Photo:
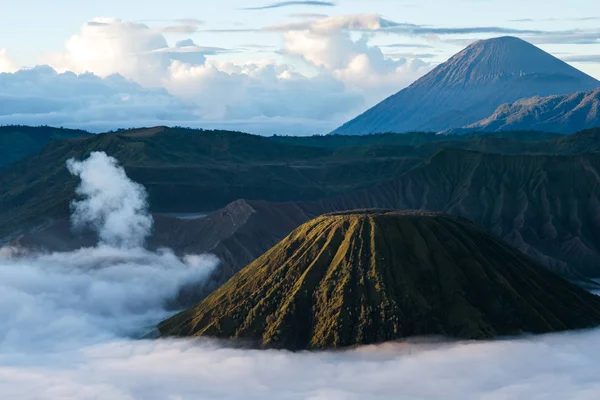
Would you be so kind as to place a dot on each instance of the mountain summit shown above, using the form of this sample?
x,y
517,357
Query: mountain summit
x,y
470,86
371,276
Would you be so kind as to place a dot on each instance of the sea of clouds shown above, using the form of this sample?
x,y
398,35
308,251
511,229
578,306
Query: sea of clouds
x,y
70,328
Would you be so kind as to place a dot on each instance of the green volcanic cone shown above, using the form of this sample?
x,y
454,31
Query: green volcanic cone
x,y
371,276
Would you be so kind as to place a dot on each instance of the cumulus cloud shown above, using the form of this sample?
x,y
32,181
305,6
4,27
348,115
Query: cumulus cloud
x,y
140,79
114,205
116,73
40,96
105,46
327,44
237,92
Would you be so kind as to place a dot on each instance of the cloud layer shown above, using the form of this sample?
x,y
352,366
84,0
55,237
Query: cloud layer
x,y
551,367
62,301
125,73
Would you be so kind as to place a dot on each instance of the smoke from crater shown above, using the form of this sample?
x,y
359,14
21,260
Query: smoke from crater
x,y
111,203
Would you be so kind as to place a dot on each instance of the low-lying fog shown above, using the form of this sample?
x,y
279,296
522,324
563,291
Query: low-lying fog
x,y
69,323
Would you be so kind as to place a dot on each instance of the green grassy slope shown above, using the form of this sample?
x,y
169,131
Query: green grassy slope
x,y
372,276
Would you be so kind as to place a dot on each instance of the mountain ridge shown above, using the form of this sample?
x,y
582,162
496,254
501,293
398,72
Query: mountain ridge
x,y
480,78
514,189
565,114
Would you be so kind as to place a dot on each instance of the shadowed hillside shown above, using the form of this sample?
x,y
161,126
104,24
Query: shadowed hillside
x,y
565,114
544,205
186,170
190,170
372,276
17,142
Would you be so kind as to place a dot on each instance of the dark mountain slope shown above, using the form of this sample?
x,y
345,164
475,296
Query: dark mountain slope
x,y
408,139
190,170
17,142
565,114
470,86
524,200
373,276
546,206
187,170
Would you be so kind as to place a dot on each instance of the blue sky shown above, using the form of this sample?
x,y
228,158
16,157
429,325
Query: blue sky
x,y
27,35
311,65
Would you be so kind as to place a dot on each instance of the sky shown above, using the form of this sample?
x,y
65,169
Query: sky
x,y
262,66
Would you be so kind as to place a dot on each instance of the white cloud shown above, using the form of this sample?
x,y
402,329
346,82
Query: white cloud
x,y
42,96
327,44
6,64
105,46
190,88
236,92
550,367
63,301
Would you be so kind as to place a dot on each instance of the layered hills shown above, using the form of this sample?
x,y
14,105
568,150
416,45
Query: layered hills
x,y
540,196
364,277
470,86
567,113
186,170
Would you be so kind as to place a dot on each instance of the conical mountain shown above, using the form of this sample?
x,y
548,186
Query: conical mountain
x,y
470,86
372,276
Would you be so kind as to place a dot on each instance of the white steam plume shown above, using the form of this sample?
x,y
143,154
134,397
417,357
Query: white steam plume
x,y
115,206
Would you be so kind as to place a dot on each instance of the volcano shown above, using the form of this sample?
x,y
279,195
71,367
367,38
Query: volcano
x,y
470,86
372,276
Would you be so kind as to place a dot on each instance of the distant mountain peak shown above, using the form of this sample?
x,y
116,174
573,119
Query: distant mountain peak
x,y
498,59
470,86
